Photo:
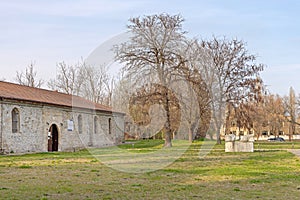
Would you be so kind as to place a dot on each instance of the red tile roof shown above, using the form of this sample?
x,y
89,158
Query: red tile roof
x,y
30,94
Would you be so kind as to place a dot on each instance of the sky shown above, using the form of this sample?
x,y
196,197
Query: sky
x,y
46,32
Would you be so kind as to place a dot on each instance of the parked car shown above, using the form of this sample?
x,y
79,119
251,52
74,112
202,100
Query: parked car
x,y
279,139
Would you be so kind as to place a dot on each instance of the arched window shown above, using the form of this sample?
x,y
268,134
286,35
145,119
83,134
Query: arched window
x,y
15,116
79,124
95,124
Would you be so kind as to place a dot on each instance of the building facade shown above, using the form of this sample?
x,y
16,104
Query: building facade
x,y
283,129
37,120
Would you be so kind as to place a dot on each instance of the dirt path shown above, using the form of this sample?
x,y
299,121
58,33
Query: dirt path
x,y
295,151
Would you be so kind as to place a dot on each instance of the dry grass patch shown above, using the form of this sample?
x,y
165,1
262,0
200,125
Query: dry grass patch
x,y
219,175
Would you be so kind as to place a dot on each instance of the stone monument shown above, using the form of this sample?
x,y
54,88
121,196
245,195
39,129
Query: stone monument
x,y
245,144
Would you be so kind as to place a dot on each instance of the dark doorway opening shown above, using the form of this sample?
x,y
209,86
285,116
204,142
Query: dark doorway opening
x,y
53,138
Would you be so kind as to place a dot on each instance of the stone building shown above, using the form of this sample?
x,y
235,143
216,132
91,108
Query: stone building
x,y
38,120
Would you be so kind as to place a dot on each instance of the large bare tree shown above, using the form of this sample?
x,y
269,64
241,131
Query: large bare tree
x,y
29,77
235,76
195,101
153,55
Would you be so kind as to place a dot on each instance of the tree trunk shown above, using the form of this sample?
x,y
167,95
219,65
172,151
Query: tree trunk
x,y
168,139
291,131
218,138
190,135
258,134
219,135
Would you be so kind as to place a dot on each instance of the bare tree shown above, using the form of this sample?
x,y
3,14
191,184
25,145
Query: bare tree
x,y
144,99
195,101
121,94
275,108
250,114
92,83
110,85
67,79
235,76
152,55
29,78
291,112
97,85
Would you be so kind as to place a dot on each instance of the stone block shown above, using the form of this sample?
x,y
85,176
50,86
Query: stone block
x,y
239,146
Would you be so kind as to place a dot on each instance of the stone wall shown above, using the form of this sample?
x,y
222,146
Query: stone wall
x,y
29,137
36,120
1,131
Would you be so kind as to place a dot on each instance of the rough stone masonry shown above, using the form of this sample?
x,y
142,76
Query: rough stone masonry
x,y
36,120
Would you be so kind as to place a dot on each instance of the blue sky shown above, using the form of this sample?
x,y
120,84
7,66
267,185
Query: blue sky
x,y
50,31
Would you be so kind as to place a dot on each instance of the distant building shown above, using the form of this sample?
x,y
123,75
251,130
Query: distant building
x,y
38,120
283,129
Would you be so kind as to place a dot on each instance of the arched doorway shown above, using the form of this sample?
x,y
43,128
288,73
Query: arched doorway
x,y
53,138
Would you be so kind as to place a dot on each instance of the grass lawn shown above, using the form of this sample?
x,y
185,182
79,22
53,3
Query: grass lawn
x,y
270,173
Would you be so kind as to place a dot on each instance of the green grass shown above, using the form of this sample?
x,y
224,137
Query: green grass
x,y
276,145
270,174
142,146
